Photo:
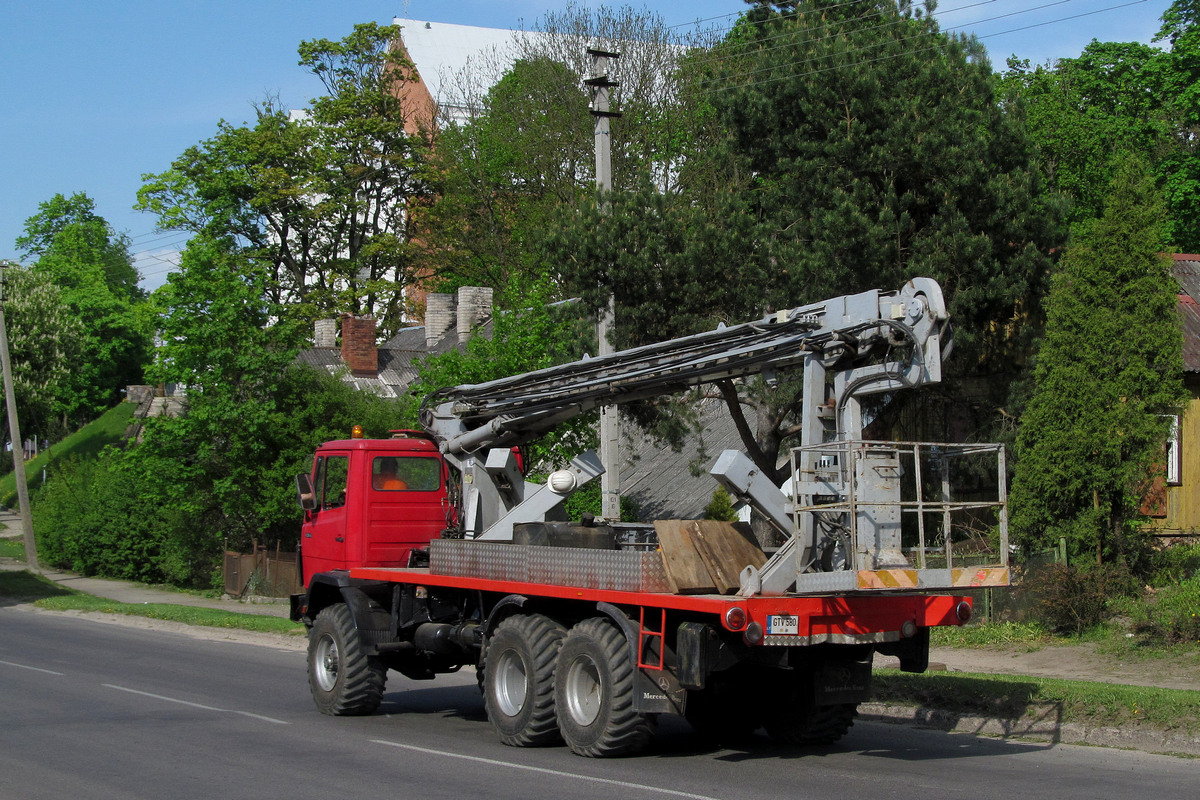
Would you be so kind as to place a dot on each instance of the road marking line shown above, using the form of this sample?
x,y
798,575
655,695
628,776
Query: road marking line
x,y
35,669
544,771
193,705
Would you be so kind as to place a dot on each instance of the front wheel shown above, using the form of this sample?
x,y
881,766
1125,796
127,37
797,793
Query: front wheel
x,y
594,692
345,681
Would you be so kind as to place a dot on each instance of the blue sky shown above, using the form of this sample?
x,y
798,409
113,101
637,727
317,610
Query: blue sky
x,y
96,93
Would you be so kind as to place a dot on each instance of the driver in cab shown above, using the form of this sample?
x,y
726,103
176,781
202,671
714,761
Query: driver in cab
x,y
384,477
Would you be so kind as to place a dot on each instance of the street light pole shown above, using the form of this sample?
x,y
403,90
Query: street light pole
x,y
610,430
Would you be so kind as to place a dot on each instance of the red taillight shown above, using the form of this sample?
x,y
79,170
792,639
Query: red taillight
x,y
963,610
735,618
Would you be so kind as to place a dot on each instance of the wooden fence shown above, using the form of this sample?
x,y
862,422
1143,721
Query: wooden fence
x,y
262,573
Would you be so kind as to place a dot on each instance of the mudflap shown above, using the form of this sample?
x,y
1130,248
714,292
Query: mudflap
x,y
913,652
838,681
659,692
298,605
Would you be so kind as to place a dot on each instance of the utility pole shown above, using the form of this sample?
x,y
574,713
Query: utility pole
x,y
610,430
18,444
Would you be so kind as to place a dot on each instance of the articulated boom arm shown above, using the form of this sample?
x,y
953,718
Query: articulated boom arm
x,y
845,334
848,346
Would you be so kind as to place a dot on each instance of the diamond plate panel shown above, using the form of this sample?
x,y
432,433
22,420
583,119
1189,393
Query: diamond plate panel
x,y
618,570
836,638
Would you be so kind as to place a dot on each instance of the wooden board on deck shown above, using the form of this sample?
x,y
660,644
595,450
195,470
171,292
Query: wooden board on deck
x,y
706,556
686,571
726,549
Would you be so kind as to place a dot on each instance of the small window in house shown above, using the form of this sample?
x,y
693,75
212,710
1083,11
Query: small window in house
x,y
1174,453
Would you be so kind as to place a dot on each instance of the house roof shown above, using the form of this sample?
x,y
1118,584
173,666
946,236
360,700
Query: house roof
x,y
1187,272
669,485
398,359
458,63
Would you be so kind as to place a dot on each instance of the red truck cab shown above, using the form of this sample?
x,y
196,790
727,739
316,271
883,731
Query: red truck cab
x,y
371,503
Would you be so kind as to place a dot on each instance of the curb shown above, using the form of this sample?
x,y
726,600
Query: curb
x,y
1034,728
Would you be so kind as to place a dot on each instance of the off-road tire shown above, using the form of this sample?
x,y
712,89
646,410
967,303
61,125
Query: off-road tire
x,y
813,726
518,680
594,687
729,709
345,681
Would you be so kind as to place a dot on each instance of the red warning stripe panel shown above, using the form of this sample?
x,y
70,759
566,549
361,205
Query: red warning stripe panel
x,y
979,576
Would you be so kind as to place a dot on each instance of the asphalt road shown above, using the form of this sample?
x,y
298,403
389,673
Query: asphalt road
x,y
100,711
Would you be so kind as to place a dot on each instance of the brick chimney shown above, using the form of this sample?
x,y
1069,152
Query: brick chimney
x,y
439,317
359,353
474,306
325,333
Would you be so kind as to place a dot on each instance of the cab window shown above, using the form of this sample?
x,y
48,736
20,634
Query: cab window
x,y
332,475
406,474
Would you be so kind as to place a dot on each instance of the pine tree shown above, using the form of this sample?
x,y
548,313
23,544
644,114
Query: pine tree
x,y
1108,370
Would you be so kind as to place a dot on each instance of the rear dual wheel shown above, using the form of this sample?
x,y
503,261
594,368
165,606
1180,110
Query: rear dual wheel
x,y
542,685
793,725
730,708
794,718
518,680
595,681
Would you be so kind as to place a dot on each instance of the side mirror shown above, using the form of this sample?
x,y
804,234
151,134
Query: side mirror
x,y
304,489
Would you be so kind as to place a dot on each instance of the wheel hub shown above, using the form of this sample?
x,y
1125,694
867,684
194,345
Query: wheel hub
x,y
512,684
326,663
583,690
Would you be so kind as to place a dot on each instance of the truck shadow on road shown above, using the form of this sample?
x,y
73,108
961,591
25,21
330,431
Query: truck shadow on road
x,y
464,702
675,738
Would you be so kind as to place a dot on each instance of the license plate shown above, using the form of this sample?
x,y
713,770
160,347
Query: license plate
x,y
783,625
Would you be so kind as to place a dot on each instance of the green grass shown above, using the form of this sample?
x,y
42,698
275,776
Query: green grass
x,y
991,634
84,443
13,548
1045,699
26,587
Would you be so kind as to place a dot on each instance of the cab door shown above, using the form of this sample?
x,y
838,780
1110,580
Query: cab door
x,y
323,539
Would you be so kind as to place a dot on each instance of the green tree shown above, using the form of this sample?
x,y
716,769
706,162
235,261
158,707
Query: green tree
x,y
720,507
231,350
72,224
529,332
854,146
45,343
525,147
1179,169
1109,367
323,200
1086,114
503,173
879,152
91,265
220,473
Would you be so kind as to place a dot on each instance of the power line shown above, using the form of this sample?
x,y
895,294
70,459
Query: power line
x,y
739,14
873,28
789,35
808,73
